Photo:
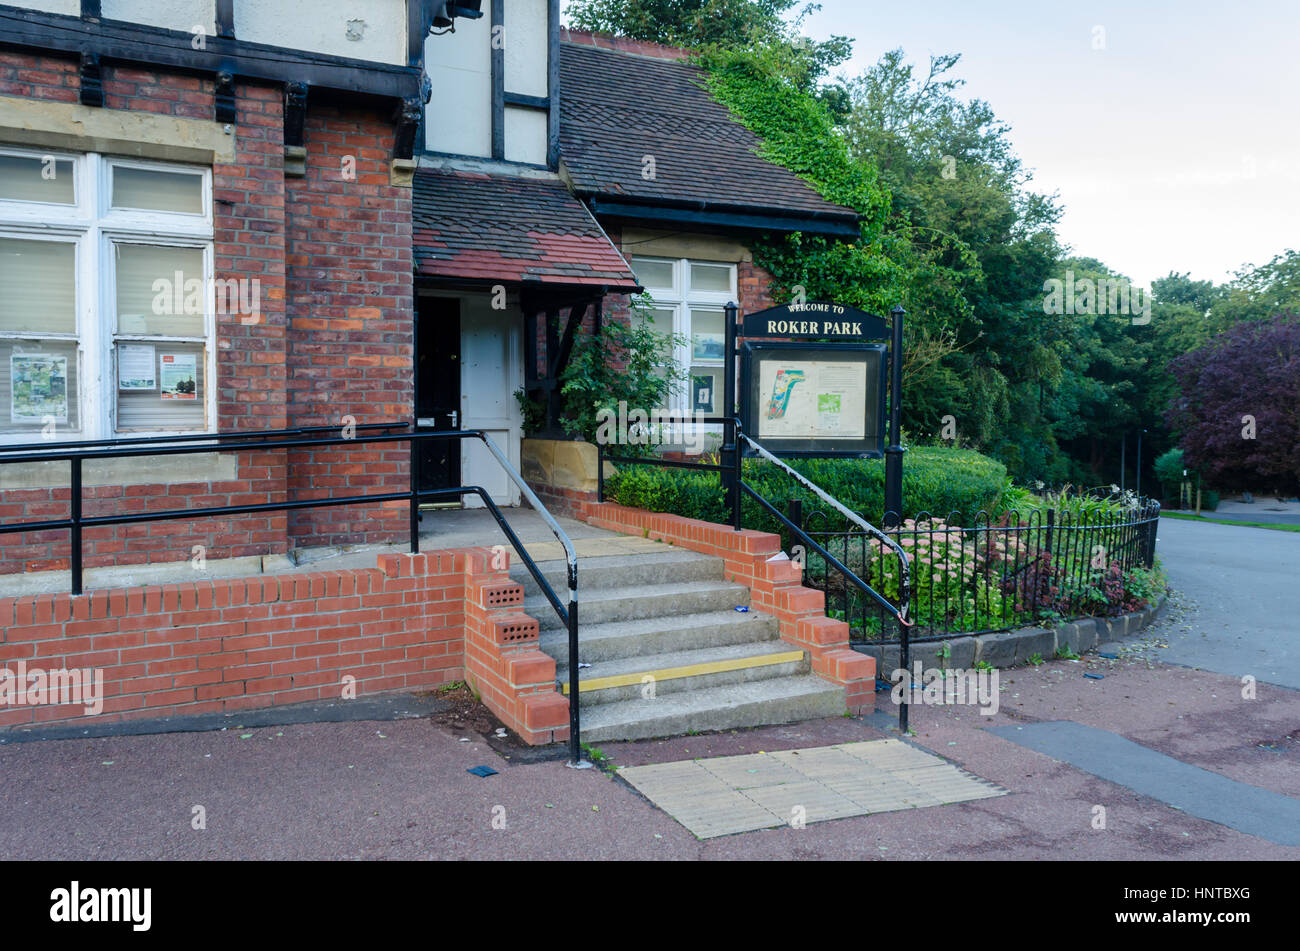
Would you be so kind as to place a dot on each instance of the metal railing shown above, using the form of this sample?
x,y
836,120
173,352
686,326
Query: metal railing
x,y
76,453
734,485
980,575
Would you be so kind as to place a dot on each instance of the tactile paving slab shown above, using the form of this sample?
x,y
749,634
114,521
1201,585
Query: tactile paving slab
x,y
730,794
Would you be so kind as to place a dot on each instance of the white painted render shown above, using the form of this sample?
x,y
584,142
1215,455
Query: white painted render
x,y
458,118
185,15
70,8
525,47
374,30
525,135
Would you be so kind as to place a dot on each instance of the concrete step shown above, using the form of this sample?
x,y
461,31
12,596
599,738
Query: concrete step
x,y
621,571
599,642
782,700
603,605
612,681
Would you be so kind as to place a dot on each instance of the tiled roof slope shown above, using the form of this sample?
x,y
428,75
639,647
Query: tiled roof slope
x,y
470,226
616,107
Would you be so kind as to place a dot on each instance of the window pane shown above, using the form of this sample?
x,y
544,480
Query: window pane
x,y
708,335
711,277
656,274
38,385
36,179
165,386
160,290
658,319
157,191
38,286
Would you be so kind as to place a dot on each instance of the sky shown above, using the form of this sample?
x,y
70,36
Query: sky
x,y
1174,146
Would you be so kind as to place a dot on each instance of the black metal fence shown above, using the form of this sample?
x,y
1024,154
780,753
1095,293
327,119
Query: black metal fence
x,y
972,576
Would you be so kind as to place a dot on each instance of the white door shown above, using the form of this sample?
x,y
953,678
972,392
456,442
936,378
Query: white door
x,y
490,372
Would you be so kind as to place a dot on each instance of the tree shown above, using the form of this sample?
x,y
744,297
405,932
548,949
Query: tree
x,y
727,24
1237,411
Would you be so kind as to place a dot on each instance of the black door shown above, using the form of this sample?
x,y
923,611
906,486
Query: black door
x,y
437,389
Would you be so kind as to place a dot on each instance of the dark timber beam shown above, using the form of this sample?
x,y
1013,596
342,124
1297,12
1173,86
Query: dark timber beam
x,y
225,97
498,80
116,41
553,84
92,80
226,18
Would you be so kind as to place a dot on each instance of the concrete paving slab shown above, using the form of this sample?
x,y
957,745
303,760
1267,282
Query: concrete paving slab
x,y
812,801
813,785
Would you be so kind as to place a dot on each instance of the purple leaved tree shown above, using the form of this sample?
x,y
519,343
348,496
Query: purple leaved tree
x,y
1237,411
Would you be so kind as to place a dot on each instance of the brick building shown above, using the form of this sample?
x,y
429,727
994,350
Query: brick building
x,y
233,216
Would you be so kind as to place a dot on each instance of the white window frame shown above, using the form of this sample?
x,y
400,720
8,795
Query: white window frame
x,y
681,299
93,226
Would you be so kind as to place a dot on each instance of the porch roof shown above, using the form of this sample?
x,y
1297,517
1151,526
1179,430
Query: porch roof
x,y
472,227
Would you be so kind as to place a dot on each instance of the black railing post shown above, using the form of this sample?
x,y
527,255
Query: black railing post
x,y
415,494
894,451
731,432
575,698
74,500
736,456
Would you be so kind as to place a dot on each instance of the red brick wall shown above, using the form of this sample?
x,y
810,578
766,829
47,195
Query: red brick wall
x,y
412,623
212,646
351,322
333,337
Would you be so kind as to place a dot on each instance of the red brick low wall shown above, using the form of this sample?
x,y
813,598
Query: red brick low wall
x,y
775,588
411,623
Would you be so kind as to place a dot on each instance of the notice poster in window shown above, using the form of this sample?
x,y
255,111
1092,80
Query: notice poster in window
x,y
702,394
136,367
38,388
178,379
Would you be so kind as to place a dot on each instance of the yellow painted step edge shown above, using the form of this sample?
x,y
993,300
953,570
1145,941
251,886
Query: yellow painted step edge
x,y
690,670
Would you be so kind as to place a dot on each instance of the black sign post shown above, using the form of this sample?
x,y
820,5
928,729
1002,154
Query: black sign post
x,y
894,454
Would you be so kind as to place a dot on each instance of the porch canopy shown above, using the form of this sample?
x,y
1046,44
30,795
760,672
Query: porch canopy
x,y
530,235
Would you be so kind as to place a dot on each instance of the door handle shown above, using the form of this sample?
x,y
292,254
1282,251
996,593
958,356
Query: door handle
x,y
455,419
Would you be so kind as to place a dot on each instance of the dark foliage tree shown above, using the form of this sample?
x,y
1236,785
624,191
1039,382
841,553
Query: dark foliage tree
x,y
1237,411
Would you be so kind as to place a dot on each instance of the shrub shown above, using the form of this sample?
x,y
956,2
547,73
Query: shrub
x,y
936,480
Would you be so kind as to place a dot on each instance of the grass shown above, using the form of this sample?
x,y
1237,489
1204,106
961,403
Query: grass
x,y
599,758
1225,521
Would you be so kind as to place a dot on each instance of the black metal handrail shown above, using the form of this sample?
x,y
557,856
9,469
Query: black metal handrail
x,y
732,476
305,437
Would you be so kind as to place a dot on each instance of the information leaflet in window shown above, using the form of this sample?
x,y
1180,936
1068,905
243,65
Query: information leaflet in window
x,y
178,377
136,367
38,388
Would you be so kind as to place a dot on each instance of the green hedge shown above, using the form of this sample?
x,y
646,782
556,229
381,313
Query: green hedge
x,y
935,479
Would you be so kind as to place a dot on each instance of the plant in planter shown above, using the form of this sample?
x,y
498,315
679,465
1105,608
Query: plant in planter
x,y
630,363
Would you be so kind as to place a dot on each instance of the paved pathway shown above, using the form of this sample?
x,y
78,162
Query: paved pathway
x,y
1244,586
